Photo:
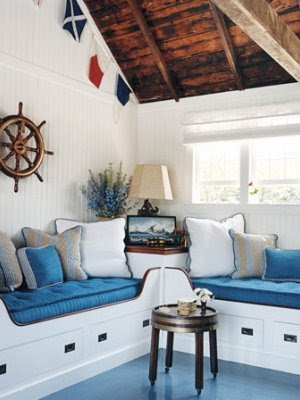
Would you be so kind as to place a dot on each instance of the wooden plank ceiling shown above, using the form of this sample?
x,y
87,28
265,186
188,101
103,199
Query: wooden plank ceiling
x,y
200,49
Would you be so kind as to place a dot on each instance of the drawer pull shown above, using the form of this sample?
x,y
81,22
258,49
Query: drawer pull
x,y
247,331
69,347
146,322
102,337
2,369
290,338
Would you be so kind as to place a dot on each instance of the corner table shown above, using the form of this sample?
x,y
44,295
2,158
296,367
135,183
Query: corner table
x,y
197,322
140,258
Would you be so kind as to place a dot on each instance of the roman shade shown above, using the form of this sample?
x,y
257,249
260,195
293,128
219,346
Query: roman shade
x,y
241,123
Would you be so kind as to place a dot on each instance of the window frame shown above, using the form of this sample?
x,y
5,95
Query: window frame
x,y
247,166
196,184
266,181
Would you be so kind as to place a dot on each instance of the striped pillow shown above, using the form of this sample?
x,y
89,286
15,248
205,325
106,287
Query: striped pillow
x,y
67,245
249,253
10,271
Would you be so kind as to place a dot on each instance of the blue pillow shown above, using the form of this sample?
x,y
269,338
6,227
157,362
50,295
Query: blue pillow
x,y
282,265
41,266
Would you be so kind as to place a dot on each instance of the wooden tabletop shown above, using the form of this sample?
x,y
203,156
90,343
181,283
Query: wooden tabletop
x,y
155,250
166,317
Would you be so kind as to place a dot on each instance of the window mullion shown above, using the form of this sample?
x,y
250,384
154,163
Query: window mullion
x,y
244,171
195,179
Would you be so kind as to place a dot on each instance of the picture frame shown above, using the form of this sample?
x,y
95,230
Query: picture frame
x,y
142,228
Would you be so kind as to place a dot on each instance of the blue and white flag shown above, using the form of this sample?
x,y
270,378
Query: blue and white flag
x,y
122,97
123,91
75,20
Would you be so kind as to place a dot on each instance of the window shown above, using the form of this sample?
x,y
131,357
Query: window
x,y
258,171
217,172
275,170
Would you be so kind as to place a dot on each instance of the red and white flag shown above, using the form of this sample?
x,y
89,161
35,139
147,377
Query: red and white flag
x,y
98,64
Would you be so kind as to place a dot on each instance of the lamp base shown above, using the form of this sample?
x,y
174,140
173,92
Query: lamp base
x,y
147,210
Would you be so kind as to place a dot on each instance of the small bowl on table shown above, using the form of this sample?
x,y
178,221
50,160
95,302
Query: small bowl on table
x,y
186,306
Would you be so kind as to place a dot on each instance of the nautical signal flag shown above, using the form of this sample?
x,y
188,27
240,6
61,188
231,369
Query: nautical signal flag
x,y
98,64
123,91
75,20
122,97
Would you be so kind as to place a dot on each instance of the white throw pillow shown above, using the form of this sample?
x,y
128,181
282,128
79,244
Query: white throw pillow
x,y
102,247
210,251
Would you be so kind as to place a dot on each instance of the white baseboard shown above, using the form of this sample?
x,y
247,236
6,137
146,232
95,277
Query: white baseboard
x,y
254,357
58,381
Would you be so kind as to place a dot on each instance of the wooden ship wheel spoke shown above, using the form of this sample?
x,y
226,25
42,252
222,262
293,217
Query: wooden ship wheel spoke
x,y
21,129
9,155
17,167
33,149
9,134
25,140
9,145
25,153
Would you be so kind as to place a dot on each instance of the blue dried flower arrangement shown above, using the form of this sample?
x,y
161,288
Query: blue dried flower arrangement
x,y
107,192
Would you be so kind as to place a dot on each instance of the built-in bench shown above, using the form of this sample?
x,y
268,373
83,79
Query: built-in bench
x,y
53,337
57,336
259,321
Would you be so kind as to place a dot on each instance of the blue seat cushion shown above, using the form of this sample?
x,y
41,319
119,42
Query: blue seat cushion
x,y
252,290
27,306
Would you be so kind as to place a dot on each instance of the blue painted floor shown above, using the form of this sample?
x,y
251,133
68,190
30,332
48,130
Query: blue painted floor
x,y
234,382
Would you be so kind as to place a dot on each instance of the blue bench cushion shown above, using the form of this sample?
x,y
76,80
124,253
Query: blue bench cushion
x,y
27,306
252,290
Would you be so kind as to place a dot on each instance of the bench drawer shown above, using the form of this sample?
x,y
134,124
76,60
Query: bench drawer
x,y
241,331
103,337
30,360
286,338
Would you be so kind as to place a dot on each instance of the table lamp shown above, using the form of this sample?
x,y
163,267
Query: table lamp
x,y
150,182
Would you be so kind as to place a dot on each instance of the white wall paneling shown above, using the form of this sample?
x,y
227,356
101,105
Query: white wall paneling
x,y
42,66
161,129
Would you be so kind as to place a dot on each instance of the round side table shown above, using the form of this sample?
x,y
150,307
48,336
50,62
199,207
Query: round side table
x,y
197,322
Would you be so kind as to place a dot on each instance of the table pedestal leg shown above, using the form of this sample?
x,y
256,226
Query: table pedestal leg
x,y
213,352
169,353
199,362
153,355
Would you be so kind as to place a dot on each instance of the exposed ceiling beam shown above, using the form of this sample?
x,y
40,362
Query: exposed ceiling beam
x,y
258,19
227,44
161,63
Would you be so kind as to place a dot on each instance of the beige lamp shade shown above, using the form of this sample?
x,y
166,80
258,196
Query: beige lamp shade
x,y
151,182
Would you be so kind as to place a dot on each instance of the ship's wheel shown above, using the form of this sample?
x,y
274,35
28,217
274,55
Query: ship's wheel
x,y
22,147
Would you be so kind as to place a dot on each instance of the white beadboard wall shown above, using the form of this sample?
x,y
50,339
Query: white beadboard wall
x,y
160,141
42,66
